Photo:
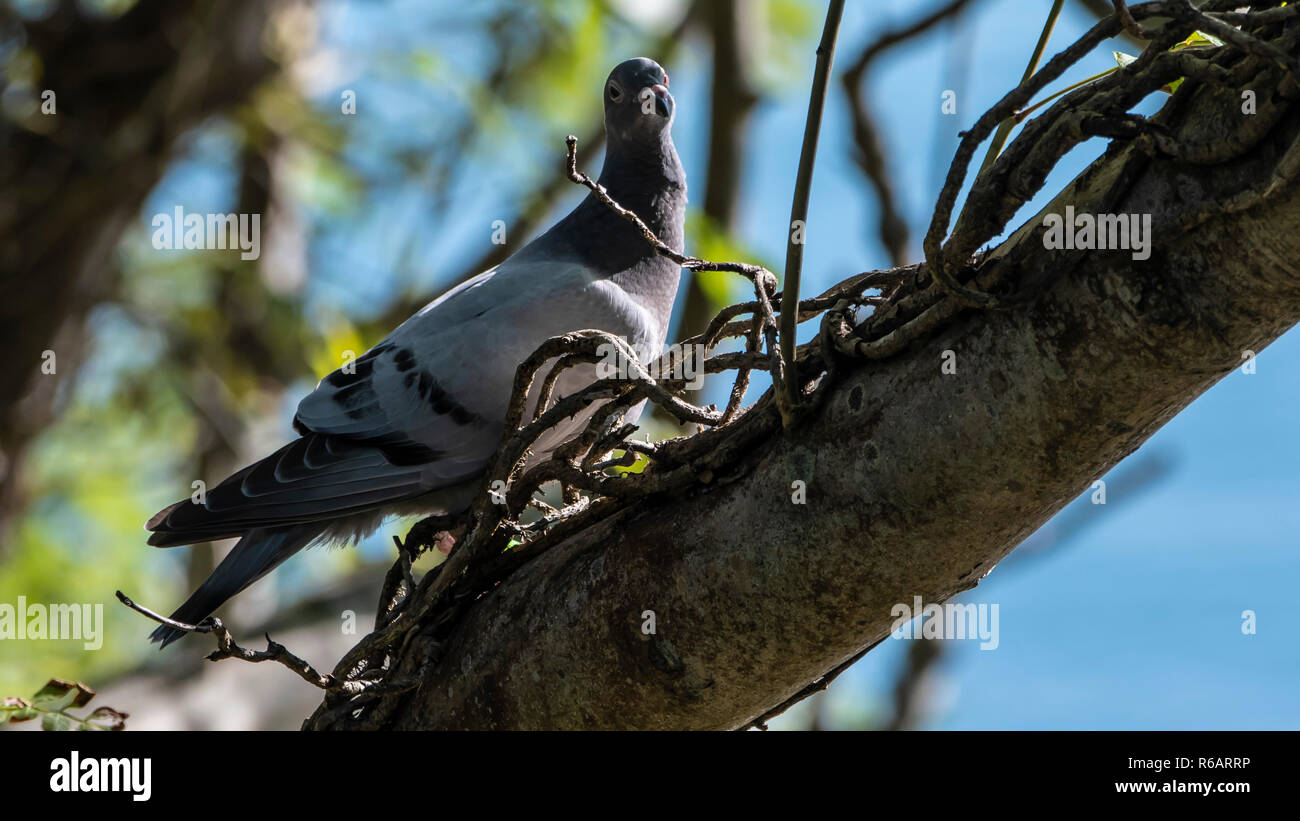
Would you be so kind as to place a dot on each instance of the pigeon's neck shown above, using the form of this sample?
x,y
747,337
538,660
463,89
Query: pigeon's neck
x,y
652,184
648,181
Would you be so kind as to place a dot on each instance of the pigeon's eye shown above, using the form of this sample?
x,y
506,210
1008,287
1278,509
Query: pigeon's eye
x,y
615,94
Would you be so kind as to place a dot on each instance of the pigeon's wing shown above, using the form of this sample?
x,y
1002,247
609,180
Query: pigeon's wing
x,y
422,410
435,391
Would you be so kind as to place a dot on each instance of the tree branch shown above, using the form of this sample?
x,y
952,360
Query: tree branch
x,y
755,596
802,192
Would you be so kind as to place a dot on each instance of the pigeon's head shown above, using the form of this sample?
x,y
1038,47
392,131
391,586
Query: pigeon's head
x,y
637,103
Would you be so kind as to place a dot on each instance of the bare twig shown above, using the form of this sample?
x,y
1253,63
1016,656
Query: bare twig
x,y
1119,90
796,230
763,279
227,648
754,273
1004,128
1131,26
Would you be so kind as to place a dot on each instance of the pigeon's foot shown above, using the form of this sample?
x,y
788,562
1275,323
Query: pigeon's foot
x,y
444,541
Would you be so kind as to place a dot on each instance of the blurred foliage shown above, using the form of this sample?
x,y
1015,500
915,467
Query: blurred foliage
x,y
710,241
195,364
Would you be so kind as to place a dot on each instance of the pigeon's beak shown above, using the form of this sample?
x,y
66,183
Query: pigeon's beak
x,y
663,100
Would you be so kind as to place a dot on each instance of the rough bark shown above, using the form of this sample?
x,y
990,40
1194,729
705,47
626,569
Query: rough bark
x,y
918,482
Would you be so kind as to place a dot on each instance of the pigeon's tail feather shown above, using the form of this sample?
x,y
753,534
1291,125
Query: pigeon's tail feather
x,y
310,479
259,552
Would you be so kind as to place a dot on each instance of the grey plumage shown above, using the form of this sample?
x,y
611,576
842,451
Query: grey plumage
x,y
410,429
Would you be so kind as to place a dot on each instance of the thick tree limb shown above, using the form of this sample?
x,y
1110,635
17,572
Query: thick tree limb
x,y
918,482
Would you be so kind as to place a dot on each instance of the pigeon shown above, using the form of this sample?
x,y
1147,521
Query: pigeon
x,y
409,427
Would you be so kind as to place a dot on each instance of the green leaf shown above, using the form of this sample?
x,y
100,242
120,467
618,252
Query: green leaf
x,y
55,722
54,702
1198,38
14,710
58,695
106,718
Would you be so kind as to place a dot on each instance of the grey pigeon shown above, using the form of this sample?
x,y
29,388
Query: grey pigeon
x,y
411,427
